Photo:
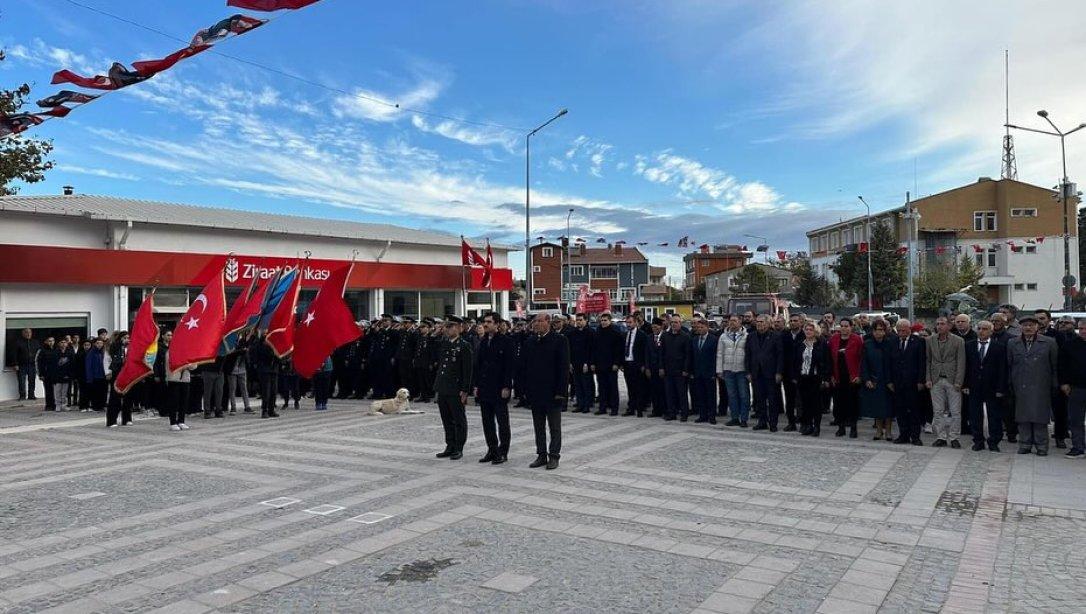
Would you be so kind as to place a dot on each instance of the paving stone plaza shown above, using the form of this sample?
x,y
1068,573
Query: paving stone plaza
x,y
340,511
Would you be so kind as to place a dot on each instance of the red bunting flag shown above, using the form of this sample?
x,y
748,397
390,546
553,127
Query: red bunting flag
x,y
270,5
488,269
281,321
325,326
1040,239
470,257
142,348
901,251
977,248
782,255
863,247
199,332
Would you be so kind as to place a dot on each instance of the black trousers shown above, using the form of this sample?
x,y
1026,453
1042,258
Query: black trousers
x,y
120,405
767,399
269,384
322,387
608,385
51,402
636,387
992,406
1059,416
1010,427
547,417
908,411
496,425
75,392
809,402
703,393
177,400
846,403
657,394
96,394
791,394
678,403
455,421
424,380
406,374
721,397
583,388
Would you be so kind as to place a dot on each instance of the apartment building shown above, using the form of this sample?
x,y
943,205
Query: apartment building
x,y
710,259
617,269
1013,230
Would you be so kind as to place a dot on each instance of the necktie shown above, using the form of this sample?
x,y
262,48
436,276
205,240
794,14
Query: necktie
x,y
902,345
983,349
701,343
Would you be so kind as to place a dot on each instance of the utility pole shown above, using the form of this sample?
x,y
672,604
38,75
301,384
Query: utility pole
x,y
910,220
870,277
528,209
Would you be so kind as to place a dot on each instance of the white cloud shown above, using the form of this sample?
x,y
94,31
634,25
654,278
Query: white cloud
x,y
472,135
96,172
588,152
40,54
364,104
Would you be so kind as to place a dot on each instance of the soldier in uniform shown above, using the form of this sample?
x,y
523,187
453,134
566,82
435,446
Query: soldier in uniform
x,y
520,367
405,356
452,383
380,359
422,362
493,386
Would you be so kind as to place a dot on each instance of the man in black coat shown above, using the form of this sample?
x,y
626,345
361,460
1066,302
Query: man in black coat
x,y
790,338
24,360
654,369
546,357
633,367
606,361
675,362
493,386
422,362
985,386
581,338
405,356
520,371
452,383
765,368
45,364
909,366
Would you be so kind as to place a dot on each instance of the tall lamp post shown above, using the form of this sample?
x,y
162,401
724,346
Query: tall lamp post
x,y
1067,192
528,208
765,242
569,279
870,278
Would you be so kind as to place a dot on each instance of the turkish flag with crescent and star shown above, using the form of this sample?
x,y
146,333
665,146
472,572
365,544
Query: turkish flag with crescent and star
x,y
197,336
280,322
325,326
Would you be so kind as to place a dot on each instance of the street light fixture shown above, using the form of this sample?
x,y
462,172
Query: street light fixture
x,y
569,280
870,278
1067,190
528,207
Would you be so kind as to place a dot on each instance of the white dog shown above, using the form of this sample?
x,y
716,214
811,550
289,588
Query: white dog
x,y
399,404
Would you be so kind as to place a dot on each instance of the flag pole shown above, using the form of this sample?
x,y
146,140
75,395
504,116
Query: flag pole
x,y
463,284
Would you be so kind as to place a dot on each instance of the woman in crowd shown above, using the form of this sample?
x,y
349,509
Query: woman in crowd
x,y
178,387
846,349
875,366
810,364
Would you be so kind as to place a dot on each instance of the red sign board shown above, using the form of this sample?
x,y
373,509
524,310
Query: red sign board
x,y
589,301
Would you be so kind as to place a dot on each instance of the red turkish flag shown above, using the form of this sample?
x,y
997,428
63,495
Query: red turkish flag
x,y
468,256
489,270
281,323
326,325
197,336
142,348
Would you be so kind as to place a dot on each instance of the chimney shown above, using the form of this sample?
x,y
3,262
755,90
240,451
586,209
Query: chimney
x,y
580,249
704,249
618,249
69,190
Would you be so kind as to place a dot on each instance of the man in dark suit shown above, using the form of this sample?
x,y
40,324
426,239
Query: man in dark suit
x,y
675,361
606,361
703,372
581,339
633,367
452,382
908,357
985,385
765,367
654,369
493,386
790,338
546,355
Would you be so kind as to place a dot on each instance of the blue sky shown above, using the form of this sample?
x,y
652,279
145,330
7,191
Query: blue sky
x,y
708,119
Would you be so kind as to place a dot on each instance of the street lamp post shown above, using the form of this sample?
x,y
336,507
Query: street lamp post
x,y
870,278
1066,193
568,280
765,242
528,208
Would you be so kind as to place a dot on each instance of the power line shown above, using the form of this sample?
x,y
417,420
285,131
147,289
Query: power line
x,y
295,77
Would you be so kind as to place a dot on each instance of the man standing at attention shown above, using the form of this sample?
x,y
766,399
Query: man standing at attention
x,y
790,338
606,360
546,355
1032,359
675,368
765,367
731,366
452,384
703,371
633,354
493,385
946,374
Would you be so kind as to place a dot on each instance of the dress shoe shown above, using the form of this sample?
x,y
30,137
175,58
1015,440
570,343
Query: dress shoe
x,y
552,463
498,460
627,413
272,414
731,423
852,434
957,445
615,413
445,454
1061,444
773,428
790,428
993,447
207,415
877,437
1042,452
700,421
218,414
712,421
683,419
538,462
456,455
489,457
264,414
939,443
759,427
918,442
806,431
901,439
840,431
248,410
977,447
669,418
602,412
1024,450
743,424
816,432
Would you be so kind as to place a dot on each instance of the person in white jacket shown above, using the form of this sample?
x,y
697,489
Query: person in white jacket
x,y
731,353
177,395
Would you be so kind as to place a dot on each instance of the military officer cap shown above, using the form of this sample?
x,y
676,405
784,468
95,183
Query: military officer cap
x,y
454,320
385,316
397,319
409,319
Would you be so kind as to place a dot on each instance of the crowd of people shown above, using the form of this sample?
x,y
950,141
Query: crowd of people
x,y
1009,376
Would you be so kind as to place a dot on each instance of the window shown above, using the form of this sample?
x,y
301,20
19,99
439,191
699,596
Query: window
x,y
1031,286
577,270
548,252
704,263
986,258
847,236
835,240
538,291
537,269
1019,286
1023,212
1031,249
402,303
441,304
604,272
984,221
612,293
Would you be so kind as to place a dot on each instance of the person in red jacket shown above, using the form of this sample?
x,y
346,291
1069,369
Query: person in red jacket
x,y
846,349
